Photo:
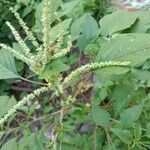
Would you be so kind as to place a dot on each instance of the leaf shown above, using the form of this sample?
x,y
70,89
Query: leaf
x,y
124,135
126,47
7,65
100,116
5,104
146,66
129,116
143,23
85,30
68,7
53,69
91,50
115,22
137,132
121,96
27,11
141,74
55,30
32,142
11,144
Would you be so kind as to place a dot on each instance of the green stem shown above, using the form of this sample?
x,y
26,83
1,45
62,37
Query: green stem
x,y
109,140
35,82
94,139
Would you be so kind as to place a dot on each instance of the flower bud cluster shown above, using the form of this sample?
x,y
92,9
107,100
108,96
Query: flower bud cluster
x,y
17,54
63,52
46,26
19,39
92,66
29,34
70,100
22,102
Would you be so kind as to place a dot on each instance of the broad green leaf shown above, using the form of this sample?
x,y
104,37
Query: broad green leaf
x,y
27,11
124,135
85,29
147,65
100,116
7,65
11,144
129,116
91,50
5,104
32,142
53,69
126,47
143,23
115,22
55,30
121,97
68,7
141,74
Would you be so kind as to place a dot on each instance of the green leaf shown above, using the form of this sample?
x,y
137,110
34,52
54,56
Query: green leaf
x,y
68,7
121,96
5,104
53,69
55,30
11,144
100,116
27,11
7,65
32,142
129,116
126,47
146,66
85,29
141,74
137,132
91,50
124,135
143,23
115,22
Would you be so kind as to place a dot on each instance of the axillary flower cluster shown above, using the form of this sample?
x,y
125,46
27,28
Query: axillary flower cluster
x,y
45,53
22,102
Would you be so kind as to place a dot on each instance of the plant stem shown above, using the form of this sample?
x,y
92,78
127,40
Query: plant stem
x,y
94,139
109,140
30,81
